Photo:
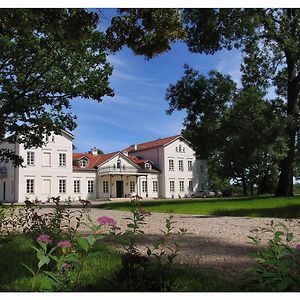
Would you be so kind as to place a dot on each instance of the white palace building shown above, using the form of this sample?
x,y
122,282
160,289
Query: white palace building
x,y
164,168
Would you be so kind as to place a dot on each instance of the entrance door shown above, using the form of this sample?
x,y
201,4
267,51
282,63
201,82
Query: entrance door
x,y
120,189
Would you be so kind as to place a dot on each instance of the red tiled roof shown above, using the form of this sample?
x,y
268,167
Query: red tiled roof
x,y
94,160
152,144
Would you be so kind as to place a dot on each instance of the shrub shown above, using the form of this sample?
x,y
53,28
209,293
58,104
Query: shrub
x,y
278,265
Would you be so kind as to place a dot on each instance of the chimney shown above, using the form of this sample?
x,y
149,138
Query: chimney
x,y
133,147
94,151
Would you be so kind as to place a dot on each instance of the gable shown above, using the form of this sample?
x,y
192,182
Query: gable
x,y
124,161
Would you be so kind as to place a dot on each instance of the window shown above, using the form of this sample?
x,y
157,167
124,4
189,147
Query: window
x,y
90,186
179,148
172,186
62,186
132,187
76,186
190,165
147,166
183,150
144,186
29,186
155,186
171,165
180,165
181,186
53,139
83,163
190,185
62,159
119,164
201,169
176,149
105,186
30,158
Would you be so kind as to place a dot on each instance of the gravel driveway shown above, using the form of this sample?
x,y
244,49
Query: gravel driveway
x,y
218,243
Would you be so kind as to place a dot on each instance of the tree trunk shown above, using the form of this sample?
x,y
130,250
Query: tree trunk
x,y
244,185
285,183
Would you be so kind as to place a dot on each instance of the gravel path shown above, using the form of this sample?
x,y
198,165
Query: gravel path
x,y
218,243
211,243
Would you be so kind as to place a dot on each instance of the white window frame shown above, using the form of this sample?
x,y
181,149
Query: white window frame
x,y
29,186
76,186
62,186
181,186
83,163
155,186
30,158
172,186
105,187
131,187
62,159
180,165
190,165
144,186
90,186
171,164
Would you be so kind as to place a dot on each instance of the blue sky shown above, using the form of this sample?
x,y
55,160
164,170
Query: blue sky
x,y
137,113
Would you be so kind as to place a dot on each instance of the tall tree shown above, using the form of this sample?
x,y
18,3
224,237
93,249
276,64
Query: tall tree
x,y
47,58
271,41
237,130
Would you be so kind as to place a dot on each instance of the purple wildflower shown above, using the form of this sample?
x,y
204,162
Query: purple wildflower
x,y
65,243
44,238
107,221
297,247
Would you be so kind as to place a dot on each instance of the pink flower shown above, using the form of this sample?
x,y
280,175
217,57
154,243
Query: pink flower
x,y
44,238
65,243
297,247
107,221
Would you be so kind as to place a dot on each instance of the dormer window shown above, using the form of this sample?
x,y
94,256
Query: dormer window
x,y
147,166
83,163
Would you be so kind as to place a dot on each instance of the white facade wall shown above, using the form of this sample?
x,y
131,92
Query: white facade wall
x,y
171,152
87,191
10,179
47,173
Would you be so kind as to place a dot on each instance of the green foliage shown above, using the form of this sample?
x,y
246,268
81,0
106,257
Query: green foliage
x,y
28,220
269,39
278,263
146,31
44,65
227,119
140,272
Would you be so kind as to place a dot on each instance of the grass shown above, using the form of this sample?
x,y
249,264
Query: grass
x,y
99,273
285,207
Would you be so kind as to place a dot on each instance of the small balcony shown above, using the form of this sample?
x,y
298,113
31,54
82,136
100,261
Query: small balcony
x,y
115,170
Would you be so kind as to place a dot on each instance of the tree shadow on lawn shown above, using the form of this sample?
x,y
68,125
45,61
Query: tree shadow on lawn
x,y
13,252
289,212
159,202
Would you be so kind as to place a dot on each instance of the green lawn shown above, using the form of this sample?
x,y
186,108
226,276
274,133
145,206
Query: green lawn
x,y
288,207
